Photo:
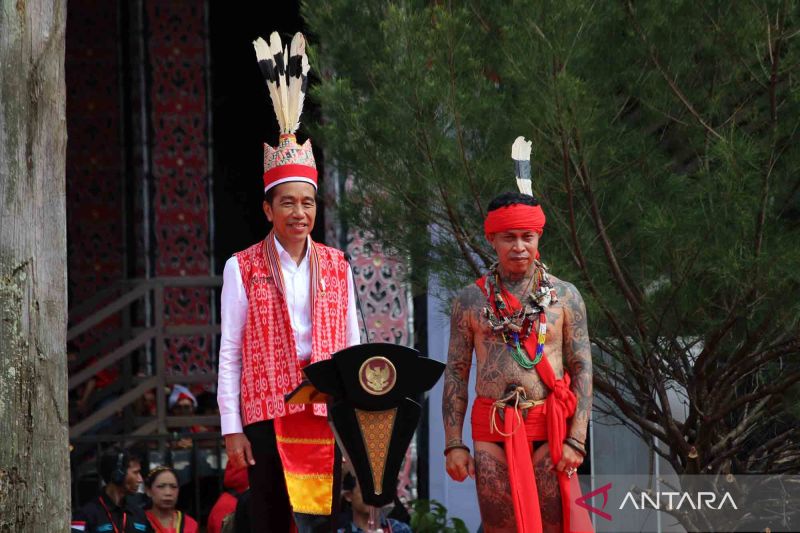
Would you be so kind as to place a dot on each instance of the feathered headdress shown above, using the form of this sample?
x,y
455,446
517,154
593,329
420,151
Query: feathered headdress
x,y
517,216
286,81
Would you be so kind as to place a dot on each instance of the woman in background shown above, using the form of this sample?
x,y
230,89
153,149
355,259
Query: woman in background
x,y
162,488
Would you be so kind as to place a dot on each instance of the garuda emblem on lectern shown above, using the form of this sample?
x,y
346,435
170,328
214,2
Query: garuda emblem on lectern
x,y
377,375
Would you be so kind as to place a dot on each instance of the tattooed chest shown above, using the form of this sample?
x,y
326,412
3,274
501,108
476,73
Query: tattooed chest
x,y
497,370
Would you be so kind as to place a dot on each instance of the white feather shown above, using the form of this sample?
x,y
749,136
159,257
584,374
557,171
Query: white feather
x,y
297,48
276,48
521,149
521,154
263,54
286,92
293,118
262,49
287,109
302,92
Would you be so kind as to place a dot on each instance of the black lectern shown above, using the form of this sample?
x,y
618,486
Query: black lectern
x,y
369,389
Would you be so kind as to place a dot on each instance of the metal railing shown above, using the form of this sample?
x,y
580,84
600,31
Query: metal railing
x,y
148,293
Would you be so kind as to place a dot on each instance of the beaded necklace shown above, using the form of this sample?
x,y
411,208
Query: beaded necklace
x,y
514,328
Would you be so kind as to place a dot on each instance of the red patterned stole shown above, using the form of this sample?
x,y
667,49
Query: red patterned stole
x,y
306,446
305,442
274,264
270,367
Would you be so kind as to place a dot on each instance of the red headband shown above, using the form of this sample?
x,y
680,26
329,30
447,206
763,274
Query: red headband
x,y
292,172
517,216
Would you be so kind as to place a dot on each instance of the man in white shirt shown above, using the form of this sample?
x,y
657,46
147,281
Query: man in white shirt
x,y
286,302
291,207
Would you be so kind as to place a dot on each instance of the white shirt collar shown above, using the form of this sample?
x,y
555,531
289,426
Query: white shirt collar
x,y
284,256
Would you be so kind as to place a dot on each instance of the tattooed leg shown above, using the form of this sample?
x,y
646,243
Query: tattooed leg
x,y
494,489
549,493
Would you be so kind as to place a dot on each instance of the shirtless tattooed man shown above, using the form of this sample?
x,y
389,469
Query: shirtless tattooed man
x,y
534,380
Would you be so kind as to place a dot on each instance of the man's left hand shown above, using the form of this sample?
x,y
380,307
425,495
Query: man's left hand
x,y
569,459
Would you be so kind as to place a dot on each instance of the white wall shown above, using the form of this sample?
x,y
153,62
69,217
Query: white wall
x,y
459,498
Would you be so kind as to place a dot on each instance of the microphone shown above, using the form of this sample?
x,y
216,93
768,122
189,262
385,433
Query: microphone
x,y
348,258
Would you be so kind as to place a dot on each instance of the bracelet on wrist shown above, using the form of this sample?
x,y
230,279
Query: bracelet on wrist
x,y
576,441
459,446
575,445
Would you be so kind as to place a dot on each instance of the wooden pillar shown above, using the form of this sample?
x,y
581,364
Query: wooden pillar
x,y
34,455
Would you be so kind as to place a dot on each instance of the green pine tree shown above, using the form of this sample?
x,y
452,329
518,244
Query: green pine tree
x,y
665,138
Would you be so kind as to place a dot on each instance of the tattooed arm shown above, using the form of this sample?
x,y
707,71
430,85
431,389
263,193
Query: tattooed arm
x,y
459,463
456,376
578,355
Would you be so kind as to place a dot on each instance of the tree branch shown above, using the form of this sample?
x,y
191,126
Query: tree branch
x,y
628,411
672,85
459,136
763,392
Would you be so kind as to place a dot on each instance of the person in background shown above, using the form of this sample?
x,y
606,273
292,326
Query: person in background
x,y
358,523
235,484
182,402
162,488
113,510
239,521
207,404
146,405
92,394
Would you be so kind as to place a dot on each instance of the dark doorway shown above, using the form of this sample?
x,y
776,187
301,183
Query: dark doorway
x,y
243,120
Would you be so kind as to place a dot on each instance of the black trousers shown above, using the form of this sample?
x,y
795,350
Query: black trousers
x,y
270,511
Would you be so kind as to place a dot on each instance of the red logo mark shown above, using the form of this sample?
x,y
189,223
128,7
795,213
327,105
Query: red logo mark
x,y
582,501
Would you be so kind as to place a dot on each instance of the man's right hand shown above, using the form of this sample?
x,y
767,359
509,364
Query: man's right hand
x,y
459,465
238,448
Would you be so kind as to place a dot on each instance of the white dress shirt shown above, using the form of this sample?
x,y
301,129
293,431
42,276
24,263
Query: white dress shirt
x,y
233,311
